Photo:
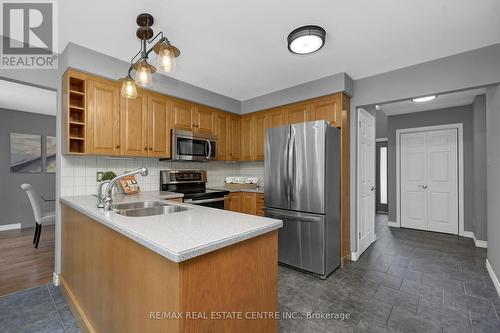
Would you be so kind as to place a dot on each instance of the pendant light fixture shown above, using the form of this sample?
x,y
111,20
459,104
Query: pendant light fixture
x,y
143,70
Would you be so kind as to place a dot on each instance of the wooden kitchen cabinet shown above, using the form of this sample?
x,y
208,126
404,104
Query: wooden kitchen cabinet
x,y
103,118
327,108
159,118
246,202
247,142
234,138
260,120
234,203
276,117
134,125
204,120
183,115
297,113
222,132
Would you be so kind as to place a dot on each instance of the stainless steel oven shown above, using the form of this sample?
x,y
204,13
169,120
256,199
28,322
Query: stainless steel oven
x,y
189,146
192,183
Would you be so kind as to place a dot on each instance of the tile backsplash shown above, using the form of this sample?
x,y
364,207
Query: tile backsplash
x,y
78,174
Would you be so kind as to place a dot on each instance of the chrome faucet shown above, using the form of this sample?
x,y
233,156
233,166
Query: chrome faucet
x,y
100,197
108,200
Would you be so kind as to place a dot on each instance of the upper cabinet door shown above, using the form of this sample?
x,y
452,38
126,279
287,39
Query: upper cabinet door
x,y
222,133
247,137
234,138
134,125
260,125
327,108
276,118
103,118
297,113
183,115
159,116
205,120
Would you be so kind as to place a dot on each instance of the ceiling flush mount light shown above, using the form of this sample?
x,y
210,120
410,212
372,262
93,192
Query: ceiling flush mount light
x,y
306,39
166,54
424,99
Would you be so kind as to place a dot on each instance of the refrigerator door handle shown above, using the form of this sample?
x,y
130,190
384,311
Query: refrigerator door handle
x,y
293,169
290,164
293,215
286,183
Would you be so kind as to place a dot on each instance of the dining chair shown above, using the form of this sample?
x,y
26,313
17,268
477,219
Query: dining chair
x,y
41,217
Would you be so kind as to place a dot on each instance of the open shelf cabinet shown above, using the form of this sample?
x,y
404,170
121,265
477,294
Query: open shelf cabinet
x,y
74,112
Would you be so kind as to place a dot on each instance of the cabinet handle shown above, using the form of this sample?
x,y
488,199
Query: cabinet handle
x,y
150,148
118,147
146,148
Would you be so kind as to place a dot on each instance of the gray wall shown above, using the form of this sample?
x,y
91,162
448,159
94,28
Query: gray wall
x,y
454,115
381,122
472,69
493,176
324,86
90,61
14,203
479,167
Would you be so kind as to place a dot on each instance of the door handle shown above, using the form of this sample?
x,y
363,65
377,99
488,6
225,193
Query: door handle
x,y
373,188
422,186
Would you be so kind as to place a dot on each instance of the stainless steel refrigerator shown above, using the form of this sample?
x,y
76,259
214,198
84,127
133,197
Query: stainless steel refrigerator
x,y
302,181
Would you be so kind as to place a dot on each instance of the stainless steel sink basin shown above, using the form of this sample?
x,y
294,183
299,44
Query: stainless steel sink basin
x,y
147,208
141,204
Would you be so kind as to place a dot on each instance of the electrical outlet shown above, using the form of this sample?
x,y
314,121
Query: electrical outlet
x,y
99,175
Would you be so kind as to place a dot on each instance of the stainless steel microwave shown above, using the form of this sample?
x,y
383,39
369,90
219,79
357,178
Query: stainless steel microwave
x,y
189,146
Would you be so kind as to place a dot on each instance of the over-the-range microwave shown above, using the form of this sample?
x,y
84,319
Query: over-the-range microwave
x,y
190,146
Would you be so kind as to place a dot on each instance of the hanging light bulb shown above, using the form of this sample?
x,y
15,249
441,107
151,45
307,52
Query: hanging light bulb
x,y
166,58
143,73
129,89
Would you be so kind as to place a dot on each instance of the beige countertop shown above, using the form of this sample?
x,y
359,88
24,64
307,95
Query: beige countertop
x,y
177,236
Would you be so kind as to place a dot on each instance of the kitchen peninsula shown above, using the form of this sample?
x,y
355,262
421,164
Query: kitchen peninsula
x,y
153,273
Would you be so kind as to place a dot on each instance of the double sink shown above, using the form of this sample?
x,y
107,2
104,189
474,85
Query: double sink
x,y
147,208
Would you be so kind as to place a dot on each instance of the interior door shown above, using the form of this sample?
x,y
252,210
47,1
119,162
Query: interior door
x,y
366,180
381,191
413,180
429,180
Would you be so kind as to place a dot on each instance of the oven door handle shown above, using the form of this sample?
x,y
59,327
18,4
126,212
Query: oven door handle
x,y
191,201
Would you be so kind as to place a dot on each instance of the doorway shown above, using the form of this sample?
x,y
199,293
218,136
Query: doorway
x,y
381,175
366,181
429,177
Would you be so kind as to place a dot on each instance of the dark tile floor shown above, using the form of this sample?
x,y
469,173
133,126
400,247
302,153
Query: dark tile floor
x,y
407,281
37,310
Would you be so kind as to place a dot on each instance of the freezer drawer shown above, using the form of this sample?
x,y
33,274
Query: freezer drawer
x,y
301,240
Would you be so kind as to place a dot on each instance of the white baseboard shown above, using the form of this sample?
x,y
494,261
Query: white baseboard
x,y
493,277
354,256
468,234
10,226
393,224
479,243
55,279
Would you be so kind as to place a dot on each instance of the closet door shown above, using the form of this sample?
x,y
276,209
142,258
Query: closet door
x,y
413,180
429,181
442,183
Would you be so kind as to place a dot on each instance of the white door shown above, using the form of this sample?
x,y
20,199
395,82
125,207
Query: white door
x,y
429,181
366,181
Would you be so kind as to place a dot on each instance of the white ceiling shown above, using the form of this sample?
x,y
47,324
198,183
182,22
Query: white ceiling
x,y
238,48
441,102
21,97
